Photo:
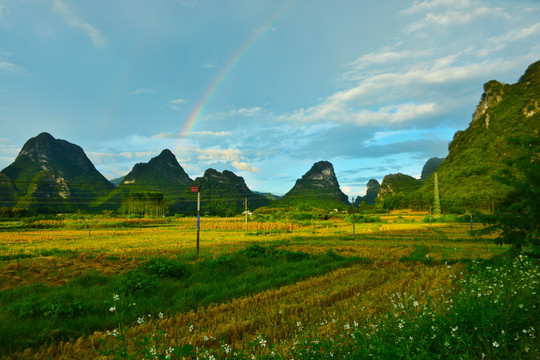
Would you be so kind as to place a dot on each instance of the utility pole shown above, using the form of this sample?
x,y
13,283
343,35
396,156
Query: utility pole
x,y
198,216
246,212
352,206
197,189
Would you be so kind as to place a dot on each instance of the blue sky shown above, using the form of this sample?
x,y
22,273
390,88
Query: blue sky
x,y
373,87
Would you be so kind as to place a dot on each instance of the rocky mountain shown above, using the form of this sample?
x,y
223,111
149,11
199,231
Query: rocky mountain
x,y
466,177
267,195
222,194
55,174
372,191
117,181
319,187
7,192
398,184
430,167
162,174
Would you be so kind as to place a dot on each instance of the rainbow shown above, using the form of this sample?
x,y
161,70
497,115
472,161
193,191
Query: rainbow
x,y
228,68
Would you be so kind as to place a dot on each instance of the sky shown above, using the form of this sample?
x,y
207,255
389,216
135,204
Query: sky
x,y
263,88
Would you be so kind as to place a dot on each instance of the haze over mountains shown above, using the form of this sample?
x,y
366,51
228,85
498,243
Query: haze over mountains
x,y
55,175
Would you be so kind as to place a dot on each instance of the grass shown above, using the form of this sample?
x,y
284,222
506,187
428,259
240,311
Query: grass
x,y
273,290
37,314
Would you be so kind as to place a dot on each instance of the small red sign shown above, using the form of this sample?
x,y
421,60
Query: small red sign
x,y
194,189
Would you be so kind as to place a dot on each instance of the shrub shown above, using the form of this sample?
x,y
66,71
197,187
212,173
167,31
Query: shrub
x,y
139,281
62,305
166,268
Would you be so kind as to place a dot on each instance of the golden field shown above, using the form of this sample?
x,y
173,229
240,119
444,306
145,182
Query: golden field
x,y
326,304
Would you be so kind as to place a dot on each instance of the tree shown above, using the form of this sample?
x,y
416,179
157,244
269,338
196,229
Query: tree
x,y
517,219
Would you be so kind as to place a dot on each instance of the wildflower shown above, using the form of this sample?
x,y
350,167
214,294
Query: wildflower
x,y
262,342
495,344
160,315
112,308
116,297
400,325
415,304
190,328
140,320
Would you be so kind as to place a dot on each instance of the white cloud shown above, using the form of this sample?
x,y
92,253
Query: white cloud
x,y
74,21
243,166
233,156
421,6
441,14
211,133
103,157
178,135
175,104
218,154
453,17
142,91
249,112
11,68
497,43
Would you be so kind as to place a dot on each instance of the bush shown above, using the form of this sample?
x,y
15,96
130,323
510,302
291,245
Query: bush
x,y
58,306
139,281
166,268
362,219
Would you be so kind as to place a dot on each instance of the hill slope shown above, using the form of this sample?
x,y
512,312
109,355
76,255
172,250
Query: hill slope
x,y
55,174
478,153
317,188
372,191
162,173
222,194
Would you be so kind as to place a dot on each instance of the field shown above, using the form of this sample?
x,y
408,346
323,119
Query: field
x,y
96,287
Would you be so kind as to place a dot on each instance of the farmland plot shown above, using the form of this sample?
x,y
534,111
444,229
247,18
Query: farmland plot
x,y
273,290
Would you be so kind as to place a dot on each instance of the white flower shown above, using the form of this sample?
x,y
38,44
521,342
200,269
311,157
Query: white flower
x,y
140,320
495,344
160,315
415,303
112,308
116,297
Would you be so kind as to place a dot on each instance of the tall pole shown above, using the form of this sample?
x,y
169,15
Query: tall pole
x,y
198,216
246,212
352,206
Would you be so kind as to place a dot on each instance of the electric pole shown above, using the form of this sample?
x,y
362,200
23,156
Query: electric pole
x,y
197,189
352,207
246,212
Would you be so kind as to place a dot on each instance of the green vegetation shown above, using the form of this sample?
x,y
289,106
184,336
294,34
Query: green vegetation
x,y
517,220
470,326
318,188
38,314
222,194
